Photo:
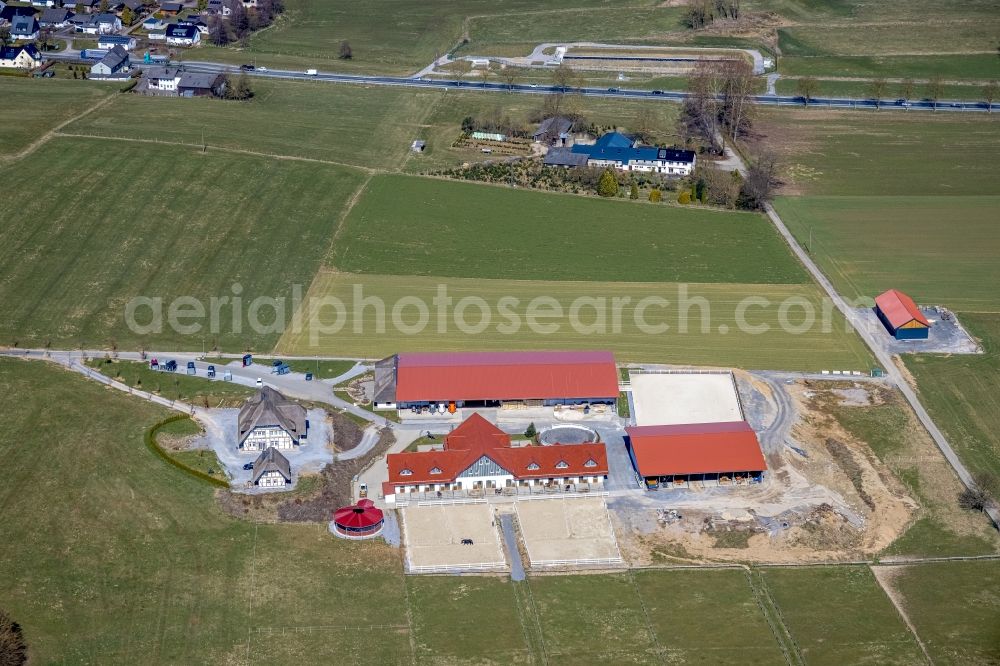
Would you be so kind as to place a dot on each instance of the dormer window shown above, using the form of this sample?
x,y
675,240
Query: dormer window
x,y
532,466
562,464
590,463
435,470
406,472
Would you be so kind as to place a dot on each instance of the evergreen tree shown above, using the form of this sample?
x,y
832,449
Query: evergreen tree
x,y
608,185
633,192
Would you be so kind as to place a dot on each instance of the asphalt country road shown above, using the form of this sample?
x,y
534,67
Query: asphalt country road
x,y
532,89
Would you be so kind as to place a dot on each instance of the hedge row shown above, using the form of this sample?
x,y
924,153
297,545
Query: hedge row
x,y
150,438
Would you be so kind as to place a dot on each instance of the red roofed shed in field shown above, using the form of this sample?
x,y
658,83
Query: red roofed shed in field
x,y
716,453
358,521
478,456
490,378
901,316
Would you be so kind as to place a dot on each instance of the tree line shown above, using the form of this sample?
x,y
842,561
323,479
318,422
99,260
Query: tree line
x,y
241,22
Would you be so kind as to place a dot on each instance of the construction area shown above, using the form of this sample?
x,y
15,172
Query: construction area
x,y
676,397
451,538
568,531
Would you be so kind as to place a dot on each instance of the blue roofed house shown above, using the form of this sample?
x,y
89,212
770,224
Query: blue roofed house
x,y
24,29
20,57
109,42
182,35
622,152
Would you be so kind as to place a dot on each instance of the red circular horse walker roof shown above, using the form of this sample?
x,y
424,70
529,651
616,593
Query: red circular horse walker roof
x,y
358,521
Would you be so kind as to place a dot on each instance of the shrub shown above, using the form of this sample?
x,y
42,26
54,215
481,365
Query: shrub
x,y
684,198
655,196
633,192
13,649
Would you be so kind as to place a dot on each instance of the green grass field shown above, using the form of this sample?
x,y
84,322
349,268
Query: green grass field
x,y
112,556
738,627
356,125
954,607
972,66
159,221
862,90
940,250
962,394
840,616
873,153
413,226
32,107
509,326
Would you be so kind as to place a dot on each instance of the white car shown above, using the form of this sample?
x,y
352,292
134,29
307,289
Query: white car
x,y
262,69
260,382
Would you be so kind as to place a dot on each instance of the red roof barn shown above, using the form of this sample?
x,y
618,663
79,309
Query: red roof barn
x,y
551,377
901,316
720,452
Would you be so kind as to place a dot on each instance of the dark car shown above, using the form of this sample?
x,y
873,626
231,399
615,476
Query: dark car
x,y
657,92
613,90
247,68
248,466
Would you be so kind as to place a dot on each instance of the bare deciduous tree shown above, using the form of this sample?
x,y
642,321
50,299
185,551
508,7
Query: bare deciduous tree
x,y
807,88
906,89
737,96
990,94
345,52
564,77
13,649
510,76
935,90
761,181
877,89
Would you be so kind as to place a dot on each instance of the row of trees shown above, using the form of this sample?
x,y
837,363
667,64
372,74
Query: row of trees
x,y
703,12
808,88
720,104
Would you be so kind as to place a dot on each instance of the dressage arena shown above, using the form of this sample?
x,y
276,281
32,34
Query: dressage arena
x,y
433,537
684,397
567,531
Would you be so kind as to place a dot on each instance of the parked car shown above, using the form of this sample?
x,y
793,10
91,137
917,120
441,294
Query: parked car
x,y
211,371
191,370
363,490
248,466
309,376
260,382
170,366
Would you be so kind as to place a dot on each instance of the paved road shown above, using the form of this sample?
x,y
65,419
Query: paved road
x,y
532,89
866,334
516,566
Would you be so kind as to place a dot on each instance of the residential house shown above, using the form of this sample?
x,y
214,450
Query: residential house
x,y
159,80
171,8
182,35
100,24
564,157
114,65
268,419
9,12
197,22
24,29
219,8
554,131
88,6
194,84
271,469
111,41
20,57
136,6
625,154
153,23
55,17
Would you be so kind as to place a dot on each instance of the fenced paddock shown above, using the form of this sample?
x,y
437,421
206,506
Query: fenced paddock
x,y
568,531
668,398
433,534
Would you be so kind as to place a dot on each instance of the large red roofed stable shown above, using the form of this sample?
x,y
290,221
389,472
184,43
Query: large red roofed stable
x,y
500,376
477,444
694,449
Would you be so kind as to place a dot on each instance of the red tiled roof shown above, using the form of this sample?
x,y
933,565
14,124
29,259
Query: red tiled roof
x,y
707,448
477,437
899,308
505,376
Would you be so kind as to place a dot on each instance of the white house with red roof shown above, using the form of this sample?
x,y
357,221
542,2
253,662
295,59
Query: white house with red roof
x,y
477,456
901,316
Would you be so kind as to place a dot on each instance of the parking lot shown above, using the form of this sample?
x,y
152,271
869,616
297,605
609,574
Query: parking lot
x,y
433,537
567,531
